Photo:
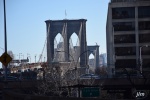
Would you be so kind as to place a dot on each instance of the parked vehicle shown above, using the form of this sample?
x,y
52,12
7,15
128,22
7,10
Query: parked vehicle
x,y
89,76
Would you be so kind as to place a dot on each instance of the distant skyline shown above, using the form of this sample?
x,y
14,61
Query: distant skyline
x,y
26,28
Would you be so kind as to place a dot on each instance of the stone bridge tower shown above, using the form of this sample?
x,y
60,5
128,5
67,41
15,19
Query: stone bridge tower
x,y
95,51
66,28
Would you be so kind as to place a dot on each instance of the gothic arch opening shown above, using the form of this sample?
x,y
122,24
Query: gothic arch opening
x,y
58,48
91,63
91,56
74,46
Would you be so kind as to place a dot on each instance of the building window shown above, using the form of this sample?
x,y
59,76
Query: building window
x,y
144,11
121,71
146,63
144,25
144,38
130,38
125,63
145,50
123,12
125,51
124,26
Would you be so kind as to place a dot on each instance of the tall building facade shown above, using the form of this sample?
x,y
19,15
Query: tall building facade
x,y
103,59
128,36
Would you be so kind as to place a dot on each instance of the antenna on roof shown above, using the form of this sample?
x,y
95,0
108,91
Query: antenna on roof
x,y
65,14
96,43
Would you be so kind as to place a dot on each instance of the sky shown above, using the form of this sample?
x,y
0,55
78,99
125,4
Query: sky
x,y
26,28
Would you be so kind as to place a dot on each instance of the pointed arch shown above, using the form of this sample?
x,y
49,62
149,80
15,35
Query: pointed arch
x,y
58,41
91,63
91,56
74,45
91,60
58,46
74,39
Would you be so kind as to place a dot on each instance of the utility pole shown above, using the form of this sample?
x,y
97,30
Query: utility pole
x,y
5,38
35,58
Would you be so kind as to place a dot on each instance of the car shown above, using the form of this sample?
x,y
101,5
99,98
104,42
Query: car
x,y
89,76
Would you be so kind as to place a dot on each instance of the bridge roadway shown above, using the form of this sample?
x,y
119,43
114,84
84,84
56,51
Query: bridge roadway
x,y
26,67
106,84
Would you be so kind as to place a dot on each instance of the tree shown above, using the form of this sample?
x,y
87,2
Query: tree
x,y
62,81
54,79
102,71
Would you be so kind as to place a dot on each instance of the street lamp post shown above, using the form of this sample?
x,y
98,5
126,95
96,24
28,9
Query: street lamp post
x,y
44,59
19,55
35,58
141,63
30,58
81,55
28,55
77,73
76,68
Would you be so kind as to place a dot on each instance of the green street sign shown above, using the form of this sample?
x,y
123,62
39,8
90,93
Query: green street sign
x,y
90,92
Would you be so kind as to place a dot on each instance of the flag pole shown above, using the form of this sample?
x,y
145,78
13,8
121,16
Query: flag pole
x,y
65,15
